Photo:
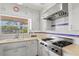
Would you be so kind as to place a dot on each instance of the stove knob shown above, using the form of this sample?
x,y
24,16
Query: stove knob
x,y
52,48
56,50
46,45
41,43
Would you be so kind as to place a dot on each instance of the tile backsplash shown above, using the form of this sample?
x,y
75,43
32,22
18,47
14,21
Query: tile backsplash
x,y
75,39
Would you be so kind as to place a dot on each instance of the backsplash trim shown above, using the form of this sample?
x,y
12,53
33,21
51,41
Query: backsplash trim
x,y
72,35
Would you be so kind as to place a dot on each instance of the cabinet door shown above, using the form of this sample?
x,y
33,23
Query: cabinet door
x,y
28,48
32,48
14,45
74,16
16,49
39,49
16,52
1,50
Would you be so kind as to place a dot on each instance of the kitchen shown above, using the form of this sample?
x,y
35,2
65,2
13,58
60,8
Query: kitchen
x,y
39,29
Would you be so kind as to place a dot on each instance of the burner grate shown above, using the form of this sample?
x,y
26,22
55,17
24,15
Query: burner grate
x,y
62,43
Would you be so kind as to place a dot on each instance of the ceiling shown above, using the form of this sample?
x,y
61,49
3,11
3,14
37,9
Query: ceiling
x,y
37,6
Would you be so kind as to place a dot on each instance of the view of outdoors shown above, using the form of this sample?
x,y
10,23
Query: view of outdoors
x,y
11,26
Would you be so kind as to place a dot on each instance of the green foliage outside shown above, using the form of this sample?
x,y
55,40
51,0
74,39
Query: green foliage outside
x,y
25,30
10,29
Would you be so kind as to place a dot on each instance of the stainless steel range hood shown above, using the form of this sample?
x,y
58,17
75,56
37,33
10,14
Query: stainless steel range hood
x,y
61,12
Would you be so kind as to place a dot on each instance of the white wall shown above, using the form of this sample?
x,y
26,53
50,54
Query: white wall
x,y
24,12
62,29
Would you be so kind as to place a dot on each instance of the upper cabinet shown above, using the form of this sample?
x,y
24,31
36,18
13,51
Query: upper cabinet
x,y
74,16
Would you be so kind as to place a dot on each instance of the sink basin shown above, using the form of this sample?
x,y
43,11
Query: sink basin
x,y
33,35
47,39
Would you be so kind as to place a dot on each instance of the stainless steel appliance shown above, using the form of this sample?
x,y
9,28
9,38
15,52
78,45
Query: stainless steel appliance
x,y
56,45
46,42
61,11
44,49
57,15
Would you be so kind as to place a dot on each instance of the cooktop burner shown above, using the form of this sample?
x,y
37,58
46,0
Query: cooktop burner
x,y
62,43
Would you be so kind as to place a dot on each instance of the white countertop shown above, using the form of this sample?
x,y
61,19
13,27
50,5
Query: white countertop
x,y
16,40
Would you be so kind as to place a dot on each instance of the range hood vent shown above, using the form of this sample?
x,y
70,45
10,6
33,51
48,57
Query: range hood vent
x,y
63,12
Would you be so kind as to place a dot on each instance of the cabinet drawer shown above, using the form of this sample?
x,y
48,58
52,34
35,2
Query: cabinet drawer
x,y
14,45
16,52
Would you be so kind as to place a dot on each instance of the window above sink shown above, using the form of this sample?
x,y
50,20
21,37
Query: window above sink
x,y
13,26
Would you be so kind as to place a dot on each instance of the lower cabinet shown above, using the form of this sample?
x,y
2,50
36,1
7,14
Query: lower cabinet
x,y
27,48
39,49
1,49
15,49
32,48
16,52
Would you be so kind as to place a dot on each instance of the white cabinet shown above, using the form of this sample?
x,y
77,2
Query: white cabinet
x,y
39,49
27,48
1,50
16,52
74,16
32,48
15,49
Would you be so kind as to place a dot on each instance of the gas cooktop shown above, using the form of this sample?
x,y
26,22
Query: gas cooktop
x,y
62,43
